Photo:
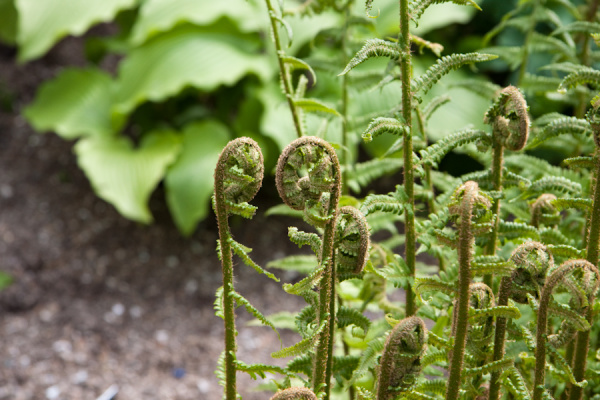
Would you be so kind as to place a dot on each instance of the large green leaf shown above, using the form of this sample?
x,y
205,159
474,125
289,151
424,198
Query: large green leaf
x,y
8,21
161,15
43,23
186,56
189,180
126,176
76,103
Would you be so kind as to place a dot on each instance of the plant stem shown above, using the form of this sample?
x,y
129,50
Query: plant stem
x,y
286,79
465,245
409,215
585,55
593,250
504,293
497,161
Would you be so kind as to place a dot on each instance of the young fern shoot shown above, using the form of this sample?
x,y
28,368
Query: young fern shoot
x,y
238,177
308,178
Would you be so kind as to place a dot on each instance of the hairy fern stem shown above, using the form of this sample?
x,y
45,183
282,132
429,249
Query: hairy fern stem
x,y
409,213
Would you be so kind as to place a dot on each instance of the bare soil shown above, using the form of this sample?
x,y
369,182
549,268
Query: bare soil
x,y
99,301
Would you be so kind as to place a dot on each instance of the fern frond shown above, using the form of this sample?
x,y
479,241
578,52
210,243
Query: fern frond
x,y
218,304
548,44
241,300
498,268
366,172
511,55
349,316
494,366
258,370
496,311
566,251
242,252
554,183
344,366
434,105
487,90
382,203
553,236
510,179
512,379
443,66
439,341
293,63
436,386
416,8
564,367
565,313
303,264
562,126
305,320
368,358
305,284
433,284
579,204
539,84
580,162
220,370
301,364
578,27
314,105
302,346
433,154
373,48
582,76
437,356
383,125
244,209
302,238
517,229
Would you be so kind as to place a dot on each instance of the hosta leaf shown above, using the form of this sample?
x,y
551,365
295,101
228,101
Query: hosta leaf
x,y
186,56
161,15
126,176
189,181
75,103
43,23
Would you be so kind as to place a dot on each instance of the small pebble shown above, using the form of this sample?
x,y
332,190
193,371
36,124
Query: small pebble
x,y
135,311
118,309
203,385
80,377
161,336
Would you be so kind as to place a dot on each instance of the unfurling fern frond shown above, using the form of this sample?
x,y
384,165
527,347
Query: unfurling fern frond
x,y
218,304
349,316
433,154
383,125
400,363
509,119
554,184
443,66
302,346
352,240
307,283
584,205
305,238
242,252
258,370
373,48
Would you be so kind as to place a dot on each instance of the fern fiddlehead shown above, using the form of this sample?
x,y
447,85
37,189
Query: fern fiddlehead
x,y
555,278
543,211
308,178
238,177
400,363
510,124
472,211
352,243
531,261
294,393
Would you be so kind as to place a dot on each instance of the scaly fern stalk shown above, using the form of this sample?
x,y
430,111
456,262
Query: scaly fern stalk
x,y
400,363
238,177
585,54
319,188
286,78
542,318
409,185
466,201
531,261
510,123
592,254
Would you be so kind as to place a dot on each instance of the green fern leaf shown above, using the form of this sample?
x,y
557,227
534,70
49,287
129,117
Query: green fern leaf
x,y
294,63
349,316
368,358
436,386
574,319
548,44
498,268
382,125
580,162
373,48
443,66
305,320
433,284
416,8
512,379
305,284
562,126
433,154
382,203
242,252
538,84
565,251
490,367
437,356
302,346
301,364
579,204
218,304
258,370
220,370
314,105
485,89
344,366
244,210
582,76
511,55
300,263
578,27
496,311
241,300
517,230
304,238
554,183
564,367
366,172
434,105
